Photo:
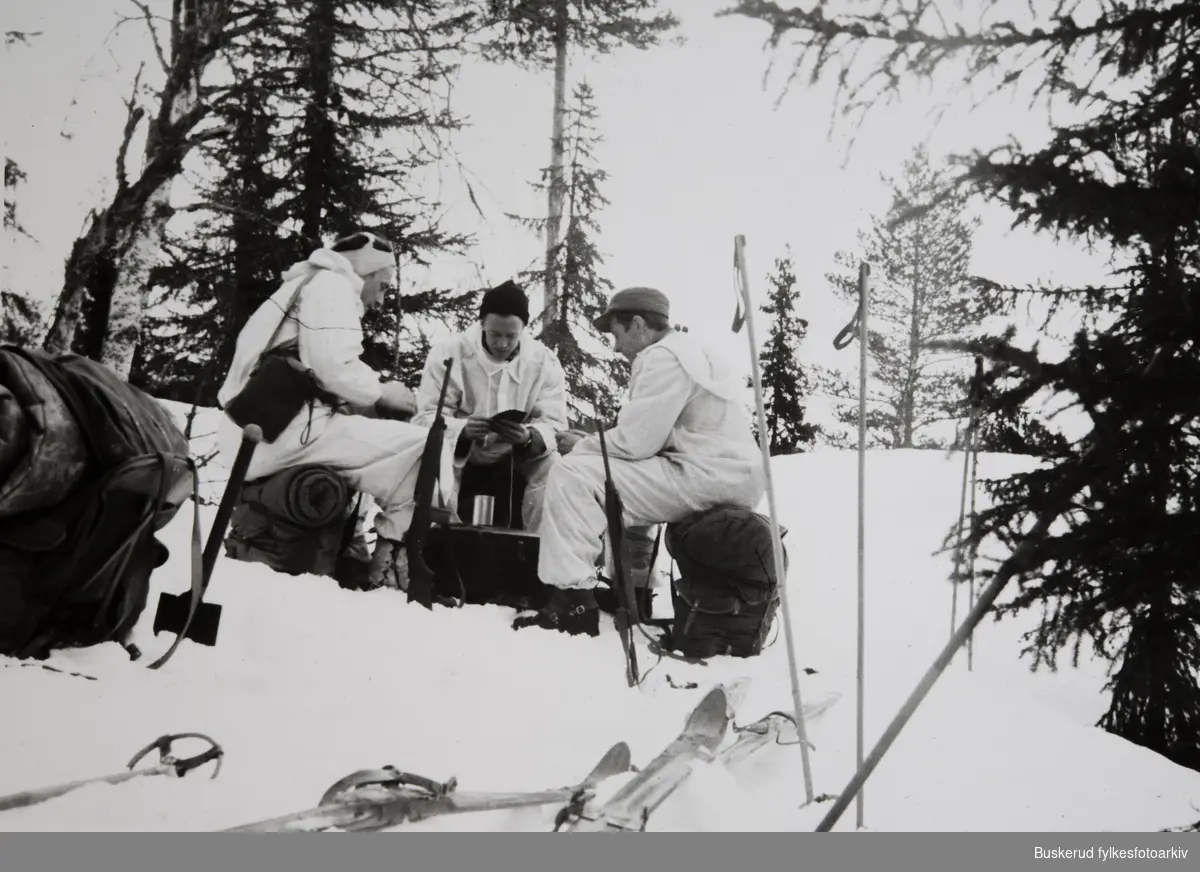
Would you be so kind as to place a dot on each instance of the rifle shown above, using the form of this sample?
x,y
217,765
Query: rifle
x,y
627,614
420,576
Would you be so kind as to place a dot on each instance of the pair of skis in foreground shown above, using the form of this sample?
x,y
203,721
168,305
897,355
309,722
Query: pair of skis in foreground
x,y
372,800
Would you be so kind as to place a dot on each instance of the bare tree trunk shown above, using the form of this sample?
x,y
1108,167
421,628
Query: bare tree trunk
x,y
909,399
320,64
110,262
80,264
89,267
557,148
132,280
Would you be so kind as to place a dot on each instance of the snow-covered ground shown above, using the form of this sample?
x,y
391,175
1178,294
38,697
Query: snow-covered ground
x,y
308,683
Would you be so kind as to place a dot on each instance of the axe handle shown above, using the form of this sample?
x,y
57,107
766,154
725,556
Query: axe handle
x,y
251,436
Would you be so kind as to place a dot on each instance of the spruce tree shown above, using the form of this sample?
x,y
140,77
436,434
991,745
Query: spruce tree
x,y
539,34
784,383
594,374
334,111
362,114
1006,426
1120,570
222,267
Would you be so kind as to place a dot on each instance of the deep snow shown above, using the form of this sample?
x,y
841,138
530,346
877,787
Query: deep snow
x,y
308,683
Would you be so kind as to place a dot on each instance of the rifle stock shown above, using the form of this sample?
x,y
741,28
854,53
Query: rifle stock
x,y
420,576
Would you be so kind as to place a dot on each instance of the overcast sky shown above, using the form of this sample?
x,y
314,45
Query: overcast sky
x,y
695,148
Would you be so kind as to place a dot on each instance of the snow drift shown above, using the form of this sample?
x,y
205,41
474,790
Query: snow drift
x,y
309,682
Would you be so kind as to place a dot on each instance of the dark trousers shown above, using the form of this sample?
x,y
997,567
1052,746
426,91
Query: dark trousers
x,y
501,480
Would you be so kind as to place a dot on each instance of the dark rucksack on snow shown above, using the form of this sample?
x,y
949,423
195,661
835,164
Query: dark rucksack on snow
x,y
726,591
78,546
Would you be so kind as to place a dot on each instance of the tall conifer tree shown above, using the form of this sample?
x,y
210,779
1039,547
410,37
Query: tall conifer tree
x,y
1120,570
541,33
784,382
335,111
595,375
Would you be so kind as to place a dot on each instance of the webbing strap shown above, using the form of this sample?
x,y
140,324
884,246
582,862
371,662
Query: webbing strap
x,y
197,567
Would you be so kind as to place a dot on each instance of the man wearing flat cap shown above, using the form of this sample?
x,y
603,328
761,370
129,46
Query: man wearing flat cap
x,y
682,444
498,368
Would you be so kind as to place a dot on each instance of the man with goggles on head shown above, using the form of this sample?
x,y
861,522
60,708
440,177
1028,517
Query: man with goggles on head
x,y
326,406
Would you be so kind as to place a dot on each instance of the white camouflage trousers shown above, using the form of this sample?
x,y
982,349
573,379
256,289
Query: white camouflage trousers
x,y
377,456
536,472
653,491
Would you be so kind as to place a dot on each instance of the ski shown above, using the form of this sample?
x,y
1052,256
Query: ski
x,y
167,765
770,730
372,800
630,807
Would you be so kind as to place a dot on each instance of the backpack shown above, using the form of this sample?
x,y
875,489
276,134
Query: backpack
x,y
77,543
727,591
302,520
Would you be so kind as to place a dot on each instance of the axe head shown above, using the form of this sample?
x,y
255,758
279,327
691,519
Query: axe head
x,y
172,616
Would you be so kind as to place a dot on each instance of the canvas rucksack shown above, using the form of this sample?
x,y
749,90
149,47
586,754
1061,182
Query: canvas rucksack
x,y
78,545
725,591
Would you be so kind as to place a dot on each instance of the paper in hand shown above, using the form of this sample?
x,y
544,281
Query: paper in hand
x,y
511,416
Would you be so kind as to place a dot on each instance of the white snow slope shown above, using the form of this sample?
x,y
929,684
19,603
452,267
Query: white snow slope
x,y
308,683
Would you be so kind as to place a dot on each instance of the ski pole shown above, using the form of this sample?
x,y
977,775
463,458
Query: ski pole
x,y
167,765
739,259
841,341
1021,560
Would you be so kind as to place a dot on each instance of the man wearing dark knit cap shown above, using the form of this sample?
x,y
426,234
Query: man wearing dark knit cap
x,y
498,368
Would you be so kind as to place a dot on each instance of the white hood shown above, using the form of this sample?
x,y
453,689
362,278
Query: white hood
x,y
706,367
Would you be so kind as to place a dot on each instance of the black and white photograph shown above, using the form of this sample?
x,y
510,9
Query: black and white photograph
x,y
553,416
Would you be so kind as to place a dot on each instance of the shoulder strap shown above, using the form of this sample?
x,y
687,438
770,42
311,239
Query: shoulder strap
x,y
287,313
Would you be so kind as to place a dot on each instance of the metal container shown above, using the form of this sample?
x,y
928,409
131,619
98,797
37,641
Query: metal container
x,y
483,510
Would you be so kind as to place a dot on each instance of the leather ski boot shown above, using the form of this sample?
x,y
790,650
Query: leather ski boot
x,y
569,610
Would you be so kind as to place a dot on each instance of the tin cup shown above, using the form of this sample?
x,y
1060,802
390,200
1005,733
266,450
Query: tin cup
x,y
483,510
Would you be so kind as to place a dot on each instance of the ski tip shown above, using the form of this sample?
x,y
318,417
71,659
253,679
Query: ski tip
x,y
711,716
616,760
